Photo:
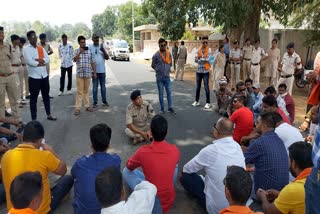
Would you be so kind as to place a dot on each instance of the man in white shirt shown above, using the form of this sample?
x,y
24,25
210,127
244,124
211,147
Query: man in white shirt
x,y
111,194
290,61
36,59
280,101
258,54
214,159
66,56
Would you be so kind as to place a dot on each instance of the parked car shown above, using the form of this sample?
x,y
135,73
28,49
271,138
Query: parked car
x,y
119,49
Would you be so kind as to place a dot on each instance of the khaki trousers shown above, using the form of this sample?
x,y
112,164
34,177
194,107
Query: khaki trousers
x,y
271,73
26,81
82,92
235,71
18,73
8,84
255,73
246,69
180,70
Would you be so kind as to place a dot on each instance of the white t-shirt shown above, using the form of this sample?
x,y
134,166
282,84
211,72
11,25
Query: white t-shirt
x,y
141,201
214,159
288,134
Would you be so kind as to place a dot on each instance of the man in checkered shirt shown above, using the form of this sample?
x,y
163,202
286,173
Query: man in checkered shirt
x,y
86,68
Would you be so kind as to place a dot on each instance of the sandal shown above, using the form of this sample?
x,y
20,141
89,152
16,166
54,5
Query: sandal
x,y
77,112
89,109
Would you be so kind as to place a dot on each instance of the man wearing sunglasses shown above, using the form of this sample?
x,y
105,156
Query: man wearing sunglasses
x,y
202,58
213,159
161,63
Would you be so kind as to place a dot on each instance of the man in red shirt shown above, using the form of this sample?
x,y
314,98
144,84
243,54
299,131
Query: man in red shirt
x,y
282,90
242,118
159,165
269,104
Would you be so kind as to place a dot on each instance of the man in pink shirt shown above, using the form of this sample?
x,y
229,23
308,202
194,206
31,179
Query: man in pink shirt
x,y
158,161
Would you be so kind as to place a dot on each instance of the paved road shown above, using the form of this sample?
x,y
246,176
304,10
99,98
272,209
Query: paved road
x,y
189,129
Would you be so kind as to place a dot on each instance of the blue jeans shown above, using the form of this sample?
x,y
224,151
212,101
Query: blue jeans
x,y
133,178
312,192
60,190
164,83
205,77
101,78
2,194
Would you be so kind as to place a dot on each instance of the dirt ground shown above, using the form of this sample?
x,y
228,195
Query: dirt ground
x,y
299,94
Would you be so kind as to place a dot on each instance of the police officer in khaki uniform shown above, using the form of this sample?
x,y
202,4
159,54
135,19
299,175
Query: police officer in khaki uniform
x,y
7,79
138,116
182,59
290,61
247,55
16,63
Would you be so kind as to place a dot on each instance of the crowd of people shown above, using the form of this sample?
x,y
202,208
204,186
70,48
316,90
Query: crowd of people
x,y
256,155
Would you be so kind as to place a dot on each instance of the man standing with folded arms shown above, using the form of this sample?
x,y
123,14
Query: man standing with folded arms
x,y
7,79
36,59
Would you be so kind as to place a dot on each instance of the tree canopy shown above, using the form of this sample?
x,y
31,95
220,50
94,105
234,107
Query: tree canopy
x,y
236,17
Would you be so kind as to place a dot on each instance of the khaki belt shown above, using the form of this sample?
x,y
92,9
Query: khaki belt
x,y
15,65
246,59
236,63
6,75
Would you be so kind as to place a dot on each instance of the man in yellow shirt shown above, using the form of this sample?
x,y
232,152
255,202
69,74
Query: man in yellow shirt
x,y
26,193
291,199
34,155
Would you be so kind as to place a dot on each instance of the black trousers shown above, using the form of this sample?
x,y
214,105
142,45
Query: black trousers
x,y
35,86
62,78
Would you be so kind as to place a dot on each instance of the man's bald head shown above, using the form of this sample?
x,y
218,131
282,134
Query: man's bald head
x,y
225,126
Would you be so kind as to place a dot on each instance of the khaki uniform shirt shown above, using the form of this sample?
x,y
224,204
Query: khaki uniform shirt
x,y
290,63
16,55
182,52
5,59
247,51
139,117
257,54
235,54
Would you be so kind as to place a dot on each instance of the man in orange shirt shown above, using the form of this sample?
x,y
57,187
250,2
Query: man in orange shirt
x,y
26,193
28,156
238,186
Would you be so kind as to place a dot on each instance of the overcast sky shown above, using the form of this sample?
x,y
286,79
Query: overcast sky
x,y
56,12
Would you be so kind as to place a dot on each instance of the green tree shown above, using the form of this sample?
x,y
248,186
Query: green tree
x,y
236,17
105,23
308,16
81,29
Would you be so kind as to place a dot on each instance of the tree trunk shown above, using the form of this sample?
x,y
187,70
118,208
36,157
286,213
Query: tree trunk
x,y
235,33
251,30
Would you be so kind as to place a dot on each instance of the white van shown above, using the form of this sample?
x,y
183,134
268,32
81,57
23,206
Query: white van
x,y
119,49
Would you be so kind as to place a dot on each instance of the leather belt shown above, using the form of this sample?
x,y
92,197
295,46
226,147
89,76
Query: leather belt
x,y
286,76
15,65
236,63
6,75
23,64
246,59
255,64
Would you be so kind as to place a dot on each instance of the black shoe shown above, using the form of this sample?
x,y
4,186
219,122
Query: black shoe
x,y
28,97
52,118
7,114
51,97
172,111
95,105
106,104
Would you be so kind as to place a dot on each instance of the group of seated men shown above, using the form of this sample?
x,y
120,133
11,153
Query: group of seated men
x,y
242,145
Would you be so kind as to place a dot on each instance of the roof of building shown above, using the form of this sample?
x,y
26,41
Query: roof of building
x,y
146,27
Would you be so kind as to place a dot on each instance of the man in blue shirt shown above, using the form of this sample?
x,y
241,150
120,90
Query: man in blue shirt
x,y
269,156
99,56
161,63
85,170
